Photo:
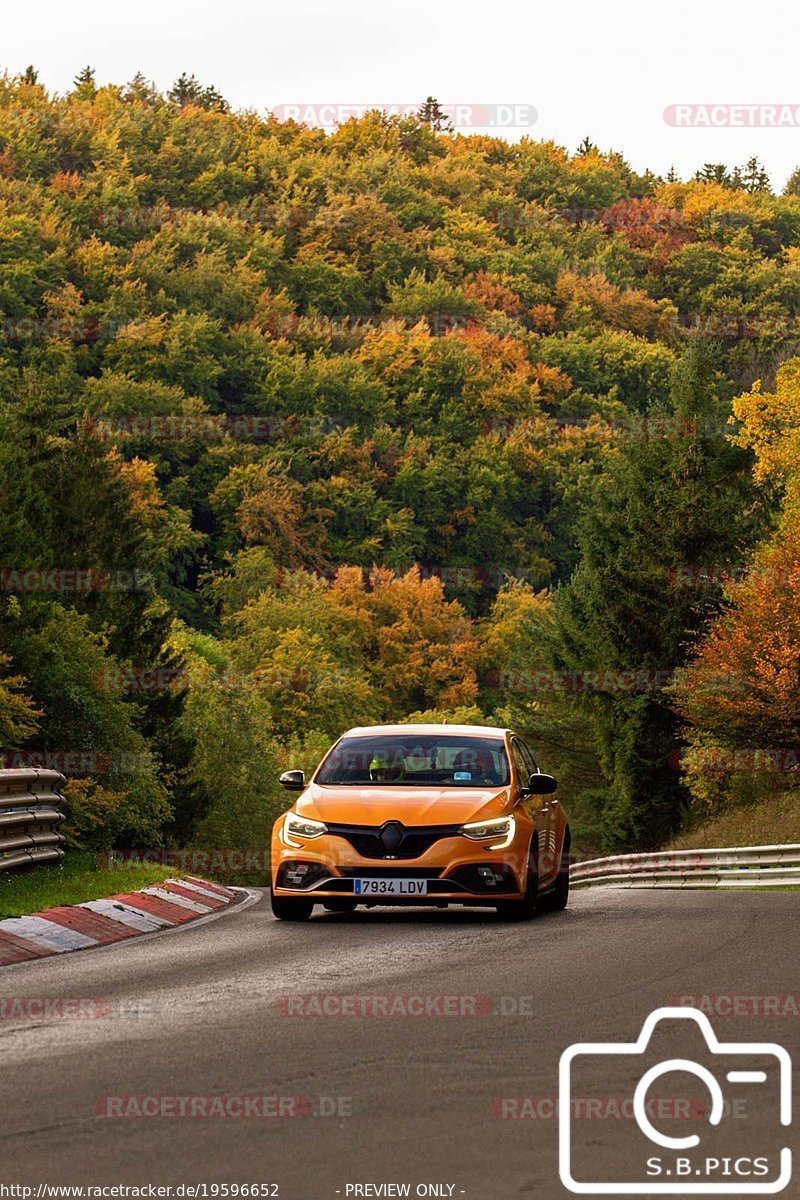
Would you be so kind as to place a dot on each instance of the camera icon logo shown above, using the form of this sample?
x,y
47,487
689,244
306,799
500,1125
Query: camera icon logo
x,y
725,1138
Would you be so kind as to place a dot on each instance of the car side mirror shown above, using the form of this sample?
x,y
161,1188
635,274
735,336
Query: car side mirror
x,y
541,784
293,781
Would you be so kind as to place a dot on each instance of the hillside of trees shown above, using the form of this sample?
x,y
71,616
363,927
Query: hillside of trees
x,y
303,430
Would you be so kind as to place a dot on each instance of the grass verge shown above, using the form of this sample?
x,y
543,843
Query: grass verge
x,y
770,823
78,877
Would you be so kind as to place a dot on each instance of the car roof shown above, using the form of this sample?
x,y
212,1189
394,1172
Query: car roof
x,y
490,731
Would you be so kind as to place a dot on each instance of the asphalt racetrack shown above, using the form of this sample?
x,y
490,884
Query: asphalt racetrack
x,y
390,1046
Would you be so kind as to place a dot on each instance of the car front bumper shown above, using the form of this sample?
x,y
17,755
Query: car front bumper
x,y
456,870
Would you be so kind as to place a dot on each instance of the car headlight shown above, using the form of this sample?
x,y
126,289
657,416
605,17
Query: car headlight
x,y
503,828
295,826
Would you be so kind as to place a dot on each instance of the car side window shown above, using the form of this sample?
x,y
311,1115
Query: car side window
x,y
529,759
520,765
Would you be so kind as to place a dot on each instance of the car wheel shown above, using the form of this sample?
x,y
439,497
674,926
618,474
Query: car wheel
x,y
557,900
340,906
286,908
524,909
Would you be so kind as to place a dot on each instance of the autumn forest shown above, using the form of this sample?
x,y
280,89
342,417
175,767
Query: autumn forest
x,y
303,430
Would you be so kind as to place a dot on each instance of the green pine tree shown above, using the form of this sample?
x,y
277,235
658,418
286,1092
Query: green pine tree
x,y
433,115
187,89
678,496
715,173
793,183
754,177
84,84
141,89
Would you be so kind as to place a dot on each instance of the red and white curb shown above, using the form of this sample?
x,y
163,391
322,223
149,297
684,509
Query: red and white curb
x,y
100,922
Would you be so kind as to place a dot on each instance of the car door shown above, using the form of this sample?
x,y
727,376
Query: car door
x,y
536,807
548,812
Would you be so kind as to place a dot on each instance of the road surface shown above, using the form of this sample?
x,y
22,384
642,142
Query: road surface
x,y
222,1009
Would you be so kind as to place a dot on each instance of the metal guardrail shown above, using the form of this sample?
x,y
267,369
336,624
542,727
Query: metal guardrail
x,y
737,866
30,813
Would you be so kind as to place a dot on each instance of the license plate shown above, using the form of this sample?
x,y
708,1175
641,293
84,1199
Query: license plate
x,y
391,887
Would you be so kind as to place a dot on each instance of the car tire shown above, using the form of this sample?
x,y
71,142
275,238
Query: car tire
x,y
526,908
339,906
286,908
557,899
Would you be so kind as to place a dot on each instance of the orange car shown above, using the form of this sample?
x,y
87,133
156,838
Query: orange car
x,y
423,815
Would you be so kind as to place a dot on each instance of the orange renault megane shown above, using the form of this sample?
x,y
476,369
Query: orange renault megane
x,y
423,815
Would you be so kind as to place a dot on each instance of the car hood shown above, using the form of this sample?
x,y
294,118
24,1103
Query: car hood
x,y
411,805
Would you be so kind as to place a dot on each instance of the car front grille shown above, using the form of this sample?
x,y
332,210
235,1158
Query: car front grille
x,y
393,840
389,872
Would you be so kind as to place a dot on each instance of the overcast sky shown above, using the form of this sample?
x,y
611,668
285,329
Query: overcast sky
x,y
608,69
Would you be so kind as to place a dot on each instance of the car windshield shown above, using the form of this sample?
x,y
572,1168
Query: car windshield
x,y
444,760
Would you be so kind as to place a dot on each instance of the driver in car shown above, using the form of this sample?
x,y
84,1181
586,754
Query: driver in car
x,y
477,766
